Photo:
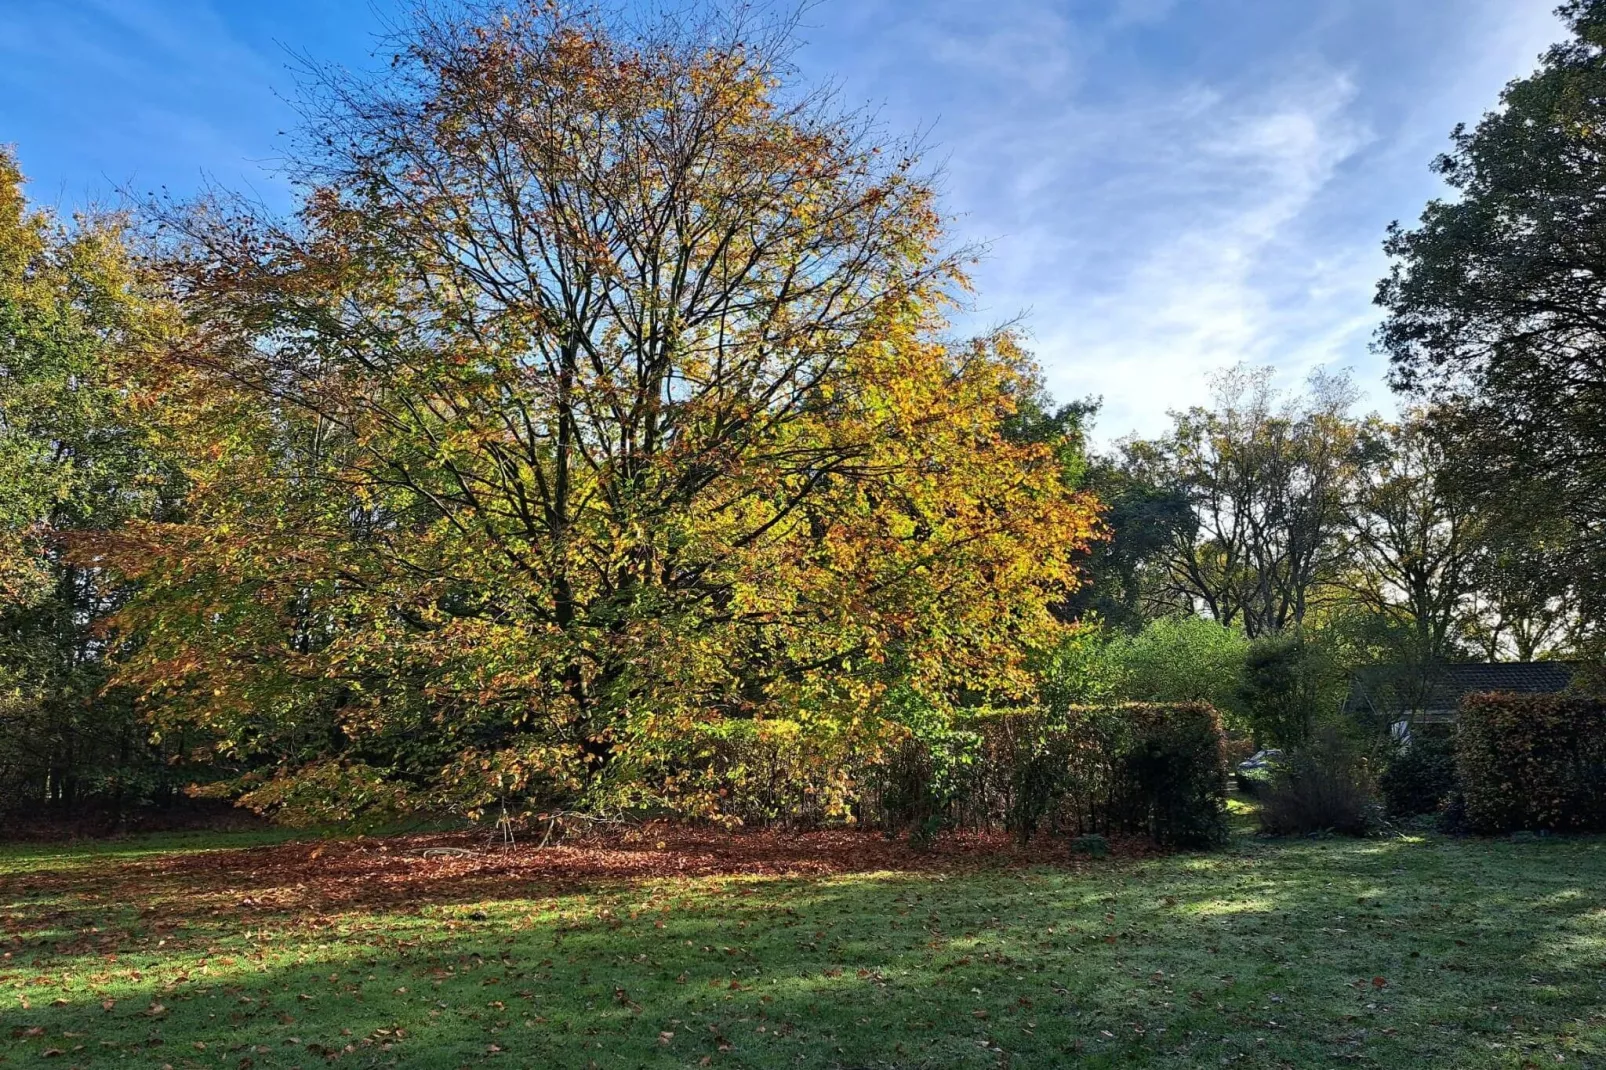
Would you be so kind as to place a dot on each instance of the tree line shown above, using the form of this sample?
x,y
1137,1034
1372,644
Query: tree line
x,y
602,389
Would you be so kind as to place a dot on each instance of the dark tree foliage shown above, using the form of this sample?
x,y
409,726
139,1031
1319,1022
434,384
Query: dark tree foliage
x,y
73,457
1497,298
1142,519
1285,687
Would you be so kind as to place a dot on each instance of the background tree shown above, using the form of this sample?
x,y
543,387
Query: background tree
x,y
1495,297
1139,519
74,455
596,394
1412,538
1290,685
1526,596
1184,659
1266,478
1127,571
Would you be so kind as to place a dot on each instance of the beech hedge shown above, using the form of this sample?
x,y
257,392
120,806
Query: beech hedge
x,y
1532,762
1153,769
1159,770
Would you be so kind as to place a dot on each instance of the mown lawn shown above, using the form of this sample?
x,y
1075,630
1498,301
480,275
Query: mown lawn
x,y
230,951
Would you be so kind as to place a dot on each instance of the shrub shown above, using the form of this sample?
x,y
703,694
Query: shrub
x,y
1532,762
1176,774
1082,669
1323,787
759,772
1284,683
1183,659
924,779
1420,775
1047,769
1093,845
1146,768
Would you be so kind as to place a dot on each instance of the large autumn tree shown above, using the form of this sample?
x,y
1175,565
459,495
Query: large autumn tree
x,y
598,393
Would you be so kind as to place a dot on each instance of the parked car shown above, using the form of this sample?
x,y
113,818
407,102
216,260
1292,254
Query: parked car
x,y
1256,769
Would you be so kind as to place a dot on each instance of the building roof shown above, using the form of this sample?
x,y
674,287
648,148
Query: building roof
x,y
1398,688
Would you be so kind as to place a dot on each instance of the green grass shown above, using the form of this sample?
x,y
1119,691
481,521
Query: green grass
x,y
1418,951
91,855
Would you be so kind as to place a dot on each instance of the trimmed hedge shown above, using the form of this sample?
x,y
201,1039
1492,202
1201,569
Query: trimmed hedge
x,y
764,773
1532,762
1153,769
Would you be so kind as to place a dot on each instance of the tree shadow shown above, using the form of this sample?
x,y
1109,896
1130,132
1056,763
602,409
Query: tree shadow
x,y
1397,953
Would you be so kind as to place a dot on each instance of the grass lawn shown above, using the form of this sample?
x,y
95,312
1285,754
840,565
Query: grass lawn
x,y
837,950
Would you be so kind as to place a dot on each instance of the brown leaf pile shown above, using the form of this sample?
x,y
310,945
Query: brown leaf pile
x,y
393,872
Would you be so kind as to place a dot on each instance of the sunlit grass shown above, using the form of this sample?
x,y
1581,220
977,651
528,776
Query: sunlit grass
x,y
1393,953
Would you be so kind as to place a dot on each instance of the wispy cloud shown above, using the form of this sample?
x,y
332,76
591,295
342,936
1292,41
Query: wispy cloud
x,y
1219,273
1170,188
1167,187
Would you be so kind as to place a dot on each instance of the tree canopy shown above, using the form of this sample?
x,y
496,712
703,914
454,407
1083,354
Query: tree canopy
x,y
76,454
595,434
599,389
1494,303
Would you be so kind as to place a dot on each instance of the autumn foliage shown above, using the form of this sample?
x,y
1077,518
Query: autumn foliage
x,y
1533,762
597,405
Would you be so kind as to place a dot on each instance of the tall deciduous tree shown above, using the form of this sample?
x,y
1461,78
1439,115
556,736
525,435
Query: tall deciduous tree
x,y
1496,295
1266,478
1413,537
1527,594
596,394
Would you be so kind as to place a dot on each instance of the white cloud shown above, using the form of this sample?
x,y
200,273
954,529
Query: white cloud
x,y
1166,187
1217,288
1140,12
1213,189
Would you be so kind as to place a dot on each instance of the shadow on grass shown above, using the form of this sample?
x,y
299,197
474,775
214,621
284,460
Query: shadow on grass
x,y
1394,953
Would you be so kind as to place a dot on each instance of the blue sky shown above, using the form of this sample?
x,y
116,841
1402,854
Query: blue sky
x,y
1166,186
